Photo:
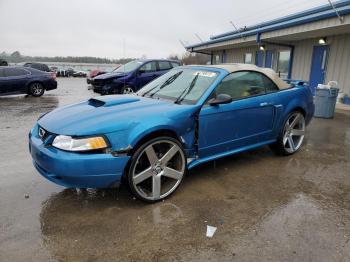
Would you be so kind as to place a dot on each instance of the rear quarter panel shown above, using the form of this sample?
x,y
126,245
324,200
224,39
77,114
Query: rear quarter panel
x,y
298,97
44,79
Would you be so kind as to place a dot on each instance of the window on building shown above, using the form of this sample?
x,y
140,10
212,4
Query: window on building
x,y
283,63
248,58
217,59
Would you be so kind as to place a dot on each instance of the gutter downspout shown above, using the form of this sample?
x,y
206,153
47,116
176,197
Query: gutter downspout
x,y
292,47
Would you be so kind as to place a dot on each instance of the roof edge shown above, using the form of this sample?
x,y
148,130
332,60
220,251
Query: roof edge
x,y
313,10
311,15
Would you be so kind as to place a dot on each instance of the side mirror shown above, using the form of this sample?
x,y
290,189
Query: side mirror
x,y
141,71
220,99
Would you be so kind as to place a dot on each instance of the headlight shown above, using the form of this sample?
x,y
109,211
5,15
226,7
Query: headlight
x,y
79,144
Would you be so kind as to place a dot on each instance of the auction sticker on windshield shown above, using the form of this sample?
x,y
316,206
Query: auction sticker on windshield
x,y
205,73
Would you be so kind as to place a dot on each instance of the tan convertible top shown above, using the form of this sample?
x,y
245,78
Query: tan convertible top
x,y
230,68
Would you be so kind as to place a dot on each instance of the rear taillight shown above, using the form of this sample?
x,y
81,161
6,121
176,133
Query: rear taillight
x,y
53,75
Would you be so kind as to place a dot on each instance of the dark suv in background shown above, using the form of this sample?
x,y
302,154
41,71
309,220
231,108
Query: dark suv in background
x,y
132,76
38,66
41,67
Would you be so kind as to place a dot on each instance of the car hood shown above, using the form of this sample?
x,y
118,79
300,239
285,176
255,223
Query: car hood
x,y
111,75
107,114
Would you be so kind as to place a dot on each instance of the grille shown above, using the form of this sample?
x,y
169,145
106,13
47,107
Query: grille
x,y
42,133
97,82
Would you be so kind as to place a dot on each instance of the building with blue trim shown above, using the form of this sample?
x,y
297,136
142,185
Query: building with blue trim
x,y
313,45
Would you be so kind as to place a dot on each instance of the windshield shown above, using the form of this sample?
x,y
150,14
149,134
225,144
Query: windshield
x,y
182,85
128,67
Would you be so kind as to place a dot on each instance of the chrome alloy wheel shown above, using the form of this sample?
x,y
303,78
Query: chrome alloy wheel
x,y
159,170
294,132
128,90
36,89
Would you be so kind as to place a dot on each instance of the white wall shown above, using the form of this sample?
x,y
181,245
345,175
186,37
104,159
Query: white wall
x,y
338,64
302,59
236,55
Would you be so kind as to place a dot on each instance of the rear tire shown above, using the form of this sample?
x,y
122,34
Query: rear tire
x,y
291,135
36,89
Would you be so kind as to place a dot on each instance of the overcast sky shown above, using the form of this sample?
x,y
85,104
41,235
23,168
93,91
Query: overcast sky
x,y
127,28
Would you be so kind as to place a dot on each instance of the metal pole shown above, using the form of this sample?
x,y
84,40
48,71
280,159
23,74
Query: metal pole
x,y
200,39
341,19
239,31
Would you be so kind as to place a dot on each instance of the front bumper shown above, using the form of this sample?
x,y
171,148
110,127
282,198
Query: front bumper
x,y
103,88
76,170
97,89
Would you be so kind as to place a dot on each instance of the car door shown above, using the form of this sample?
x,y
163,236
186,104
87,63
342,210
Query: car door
x,y
147,73
15,79
246,121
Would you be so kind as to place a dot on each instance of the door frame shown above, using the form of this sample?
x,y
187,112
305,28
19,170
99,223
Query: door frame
x,y
270,54
261,54
325,61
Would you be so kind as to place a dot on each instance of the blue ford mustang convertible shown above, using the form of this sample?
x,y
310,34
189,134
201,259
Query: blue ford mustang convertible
x,y
188,116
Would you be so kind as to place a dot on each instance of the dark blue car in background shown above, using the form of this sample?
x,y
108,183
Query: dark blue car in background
x,y
25,80
132,76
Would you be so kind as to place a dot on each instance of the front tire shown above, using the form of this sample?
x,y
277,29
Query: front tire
x,y
127,90
291,135
157,169
36,89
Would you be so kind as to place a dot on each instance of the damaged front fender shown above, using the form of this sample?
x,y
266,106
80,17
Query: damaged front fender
x,y
183,125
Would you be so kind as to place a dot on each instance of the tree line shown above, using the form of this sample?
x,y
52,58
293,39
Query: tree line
x,y
16,57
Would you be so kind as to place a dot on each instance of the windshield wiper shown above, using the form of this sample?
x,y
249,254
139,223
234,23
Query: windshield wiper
x,y
187,90
145,93
167,82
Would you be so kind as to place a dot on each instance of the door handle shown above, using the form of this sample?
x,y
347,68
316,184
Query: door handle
x,y
264,104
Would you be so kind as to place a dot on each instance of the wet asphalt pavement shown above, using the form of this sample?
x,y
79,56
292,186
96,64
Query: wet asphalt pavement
x,y
265,207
